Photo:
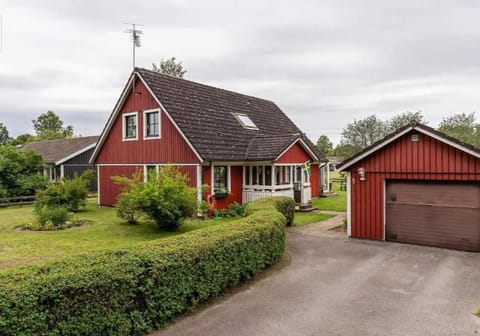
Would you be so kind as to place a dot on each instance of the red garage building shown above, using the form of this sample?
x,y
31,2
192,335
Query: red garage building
x,y
417,186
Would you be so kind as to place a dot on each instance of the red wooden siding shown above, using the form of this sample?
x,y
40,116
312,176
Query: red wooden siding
x,y
172,147
236,186
295,154
109,191
427,159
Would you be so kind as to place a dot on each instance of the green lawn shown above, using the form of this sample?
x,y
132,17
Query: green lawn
x,y
332,203
304,218
106,231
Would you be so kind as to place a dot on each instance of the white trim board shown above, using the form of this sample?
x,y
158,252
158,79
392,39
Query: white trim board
x,y
112,117
305,147
116,111
71,156
169,117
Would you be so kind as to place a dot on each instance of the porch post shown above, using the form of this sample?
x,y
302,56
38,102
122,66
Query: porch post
x,y
274,177
199,189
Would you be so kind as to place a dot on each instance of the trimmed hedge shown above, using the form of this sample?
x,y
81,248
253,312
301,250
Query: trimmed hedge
x,y
284,205
133,291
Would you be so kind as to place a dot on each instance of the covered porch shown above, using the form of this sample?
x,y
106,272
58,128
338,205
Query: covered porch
x,y
265,180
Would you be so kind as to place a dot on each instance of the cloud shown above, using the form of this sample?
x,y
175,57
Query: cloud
x,y
324,63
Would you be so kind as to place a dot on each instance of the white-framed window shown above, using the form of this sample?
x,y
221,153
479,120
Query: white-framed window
x,y
151,124
245,121
130,126
220,178
149,171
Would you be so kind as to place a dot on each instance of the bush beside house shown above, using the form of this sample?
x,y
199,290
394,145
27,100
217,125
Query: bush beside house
x,y
135,290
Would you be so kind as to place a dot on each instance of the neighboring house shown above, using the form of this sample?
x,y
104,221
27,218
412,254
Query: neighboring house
x,y
417,185
65,157
242,147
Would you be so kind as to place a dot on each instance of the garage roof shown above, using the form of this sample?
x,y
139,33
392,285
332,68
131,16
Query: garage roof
x,y
440,136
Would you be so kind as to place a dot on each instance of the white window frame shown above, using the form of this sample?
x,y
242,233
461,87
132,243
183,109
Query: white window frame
x,y
145,170
159,136
124,124
239,117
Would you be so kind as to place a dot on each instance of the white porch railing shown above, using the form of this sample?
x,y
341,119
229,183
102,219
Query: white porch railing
x,y
252,195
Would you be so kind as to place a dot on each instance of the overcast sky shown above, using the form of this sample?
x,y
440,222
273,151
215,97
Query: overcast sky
x,y
325,63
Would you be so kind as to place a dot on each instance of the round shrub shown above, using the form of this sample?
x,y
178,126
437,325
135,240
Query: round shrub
x,y
55,216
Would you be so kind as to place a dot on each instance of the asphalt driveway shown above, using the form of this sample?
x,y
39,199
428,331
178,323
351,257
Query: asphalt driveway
x,y
337,286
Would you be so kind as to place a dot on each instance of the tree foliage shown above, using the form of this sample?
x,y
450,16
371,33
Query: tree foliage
x,y
463,127
20,172
364,132
22,139
170,67
4,136
324,145
404,119
165,198
49,126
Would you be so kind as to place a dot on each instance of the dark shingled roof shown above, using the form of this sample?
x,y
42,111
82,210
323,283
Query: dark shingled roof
x,y
55,150
205,115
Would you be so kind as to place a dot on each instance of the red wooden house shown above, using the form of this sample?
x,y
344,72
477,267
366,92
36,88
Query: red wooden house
x,y
242,147
417,186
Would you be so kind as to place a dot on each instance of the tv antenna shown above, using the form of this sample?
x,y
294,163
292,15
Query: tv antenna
x,y
135,36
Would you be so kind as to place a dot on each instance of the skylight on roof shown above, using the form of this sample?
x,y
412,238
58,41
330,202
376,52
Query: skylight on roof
x,y
245,121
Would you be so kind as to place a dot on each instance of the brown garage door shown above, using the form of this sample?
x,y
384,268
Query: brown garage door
x,y
442,214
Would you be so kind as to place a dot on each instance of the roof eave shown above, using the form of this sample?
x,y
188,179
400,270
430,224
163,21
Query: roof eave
x,y
356,158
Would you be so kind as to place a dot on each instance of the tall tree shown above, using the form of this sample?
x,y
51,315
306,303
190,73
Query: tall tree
x,y
48,126
345,150
4,136
364,132
324,145
170,67
22,139
463,127
406,118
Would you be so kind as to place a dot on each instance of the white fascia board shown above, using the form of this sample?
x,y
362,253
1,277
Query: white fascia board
x,y
71,156
112,118
305,147
374,149
170,118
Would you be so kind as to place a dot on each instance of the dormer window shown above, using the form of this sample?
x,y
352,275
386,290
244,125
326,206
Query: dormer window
x,y
245,121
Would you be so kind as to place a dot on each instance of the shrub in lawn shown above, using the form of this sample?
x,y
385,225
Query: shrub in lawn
x,y
69,193
56,216
133,291
284,205
165,198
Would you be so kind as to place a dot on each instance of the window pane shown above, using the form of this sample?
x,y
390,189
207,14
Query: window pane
x,y
152,124
268,175
220,177
131,126
151,172
278,176
247,175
